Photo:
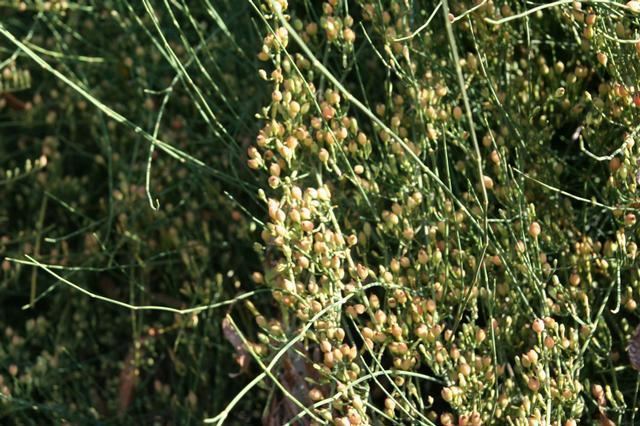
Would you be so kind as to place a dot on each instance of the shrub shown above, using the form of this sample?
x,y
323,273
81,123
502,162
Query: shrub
x,y
436,223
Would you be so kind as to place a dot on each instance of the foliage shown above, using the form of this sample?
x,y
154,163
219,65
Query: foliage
x,y
437,224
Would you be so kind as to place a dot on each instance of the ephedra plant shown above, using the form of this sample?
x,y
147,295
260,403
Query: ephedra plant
x,y
340,212
451,198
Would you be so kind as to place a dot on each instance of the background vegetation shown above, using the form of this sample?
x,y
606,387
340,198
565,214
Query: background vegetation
x,y
341,212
